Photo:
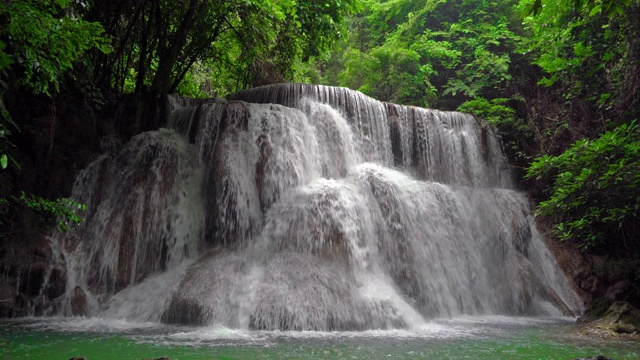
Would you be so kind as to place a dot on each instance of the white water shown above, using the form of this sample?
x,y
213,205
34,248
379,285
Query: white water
x,y
266,216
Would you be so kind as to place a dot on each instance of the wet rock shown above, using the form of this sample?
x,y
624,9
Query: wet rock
x,y
42,250
40,306
21,307
590,284
35,278
621,317
57,284
615,291
78,302
598,308
7,299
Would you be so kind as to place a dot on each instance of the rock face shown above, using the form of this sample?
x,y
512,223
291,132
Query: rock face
x,y
27,283
597,279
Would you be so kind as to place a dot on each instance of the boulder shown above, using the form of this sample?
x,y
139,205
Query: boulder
x,y
78,302
621,317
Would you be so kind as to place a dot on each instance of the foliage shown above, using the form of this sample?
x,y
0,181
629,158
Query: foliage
x,y
595,196
239,42
573,43
593,7
61,214
513,128
388,73
434,53
43,39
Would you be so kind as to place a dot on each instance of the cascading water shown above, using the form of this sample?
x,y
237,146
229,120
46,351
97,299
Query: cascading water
x,y
307,207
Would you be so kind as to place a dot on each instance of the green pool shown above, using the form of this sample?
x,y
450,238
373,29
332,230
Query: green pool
x,y
459,338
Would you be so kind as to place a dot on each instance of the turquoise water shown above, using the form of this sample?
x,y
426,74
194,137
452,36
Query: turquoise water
x,y
460,338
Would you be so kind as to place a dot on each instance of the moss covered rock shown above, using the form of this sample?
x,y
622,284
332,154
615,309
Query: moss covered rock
x,y
620,319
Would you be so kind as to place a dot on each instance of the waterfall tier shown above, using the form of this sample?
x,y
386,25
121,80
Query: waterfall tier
x,y
308,207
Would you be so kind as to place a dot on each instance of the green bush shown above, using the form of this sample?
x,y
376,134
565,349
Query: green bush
x,y
513,129
595,192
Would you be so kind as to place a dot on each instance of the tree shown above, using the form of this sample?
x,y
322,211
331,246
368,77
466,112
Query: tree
x,y
433,53
157,42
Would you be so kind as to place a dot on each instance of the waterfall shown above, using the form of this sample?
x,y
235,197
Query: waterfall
x,y
307,207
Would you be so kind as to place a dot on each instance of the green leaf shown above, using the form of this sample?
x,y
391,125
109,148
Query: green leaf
x,y
4,161
595,10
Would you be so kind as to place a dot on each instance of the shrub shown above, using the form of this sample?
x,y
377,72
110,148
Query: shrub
x,y
595,192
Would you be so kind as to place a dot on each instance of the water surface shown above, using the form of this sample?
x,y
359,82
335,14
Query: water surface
x,y
459,338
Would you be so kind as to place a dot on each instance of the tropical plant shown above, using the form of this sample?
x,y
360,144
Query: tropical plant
x,y
594,197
